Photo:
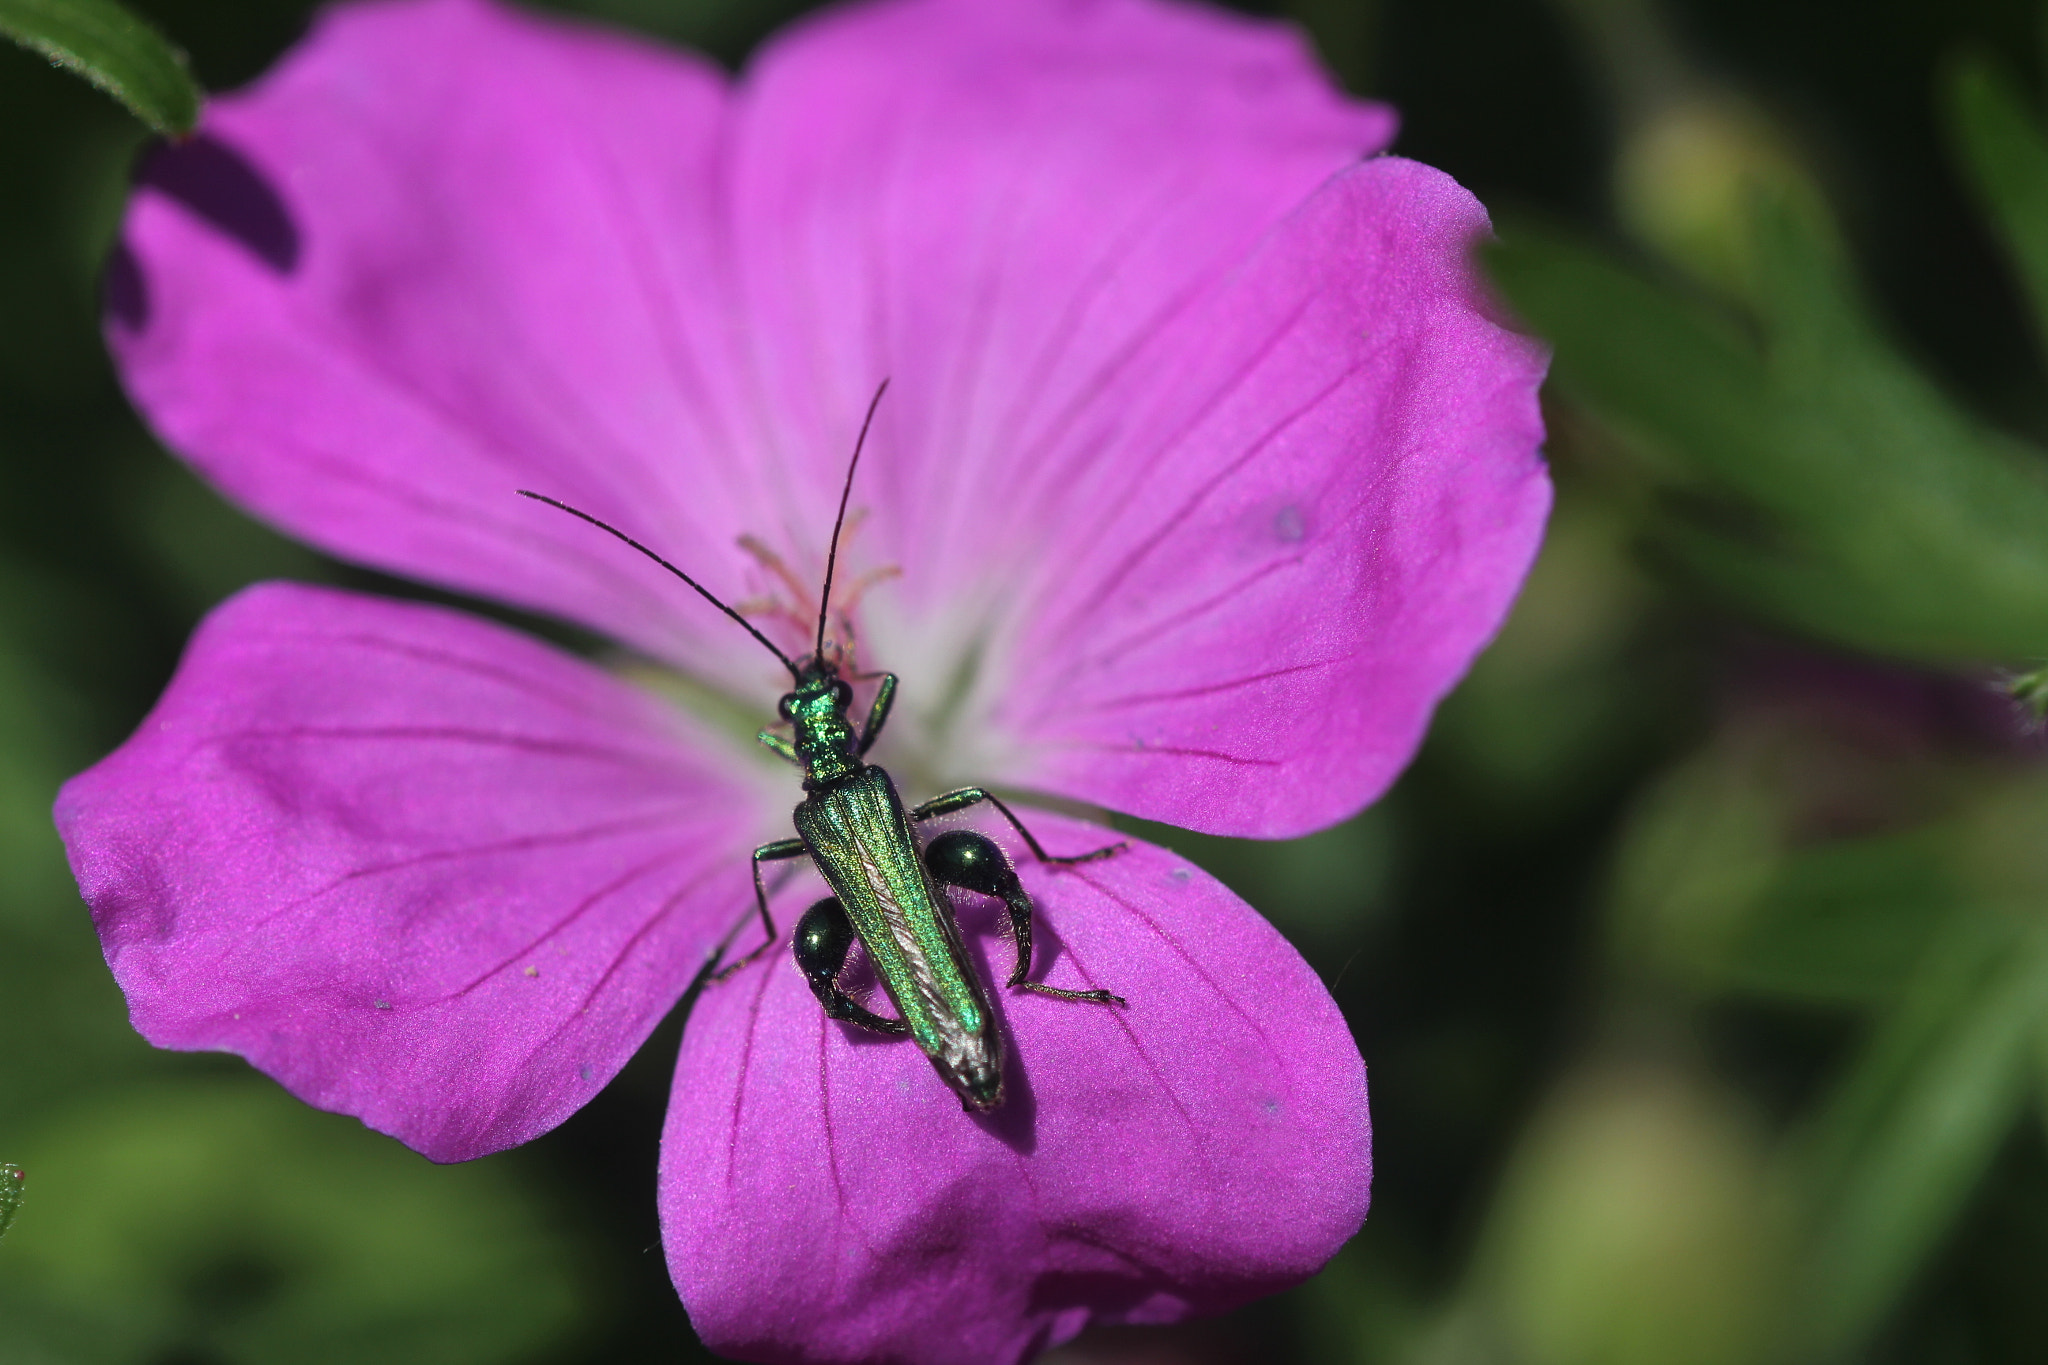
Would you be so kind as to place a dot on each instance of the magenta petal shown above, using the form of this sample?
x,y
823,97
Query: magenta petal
x,y
1324,494
418,868
824,1197
1200,440
992,203
444,251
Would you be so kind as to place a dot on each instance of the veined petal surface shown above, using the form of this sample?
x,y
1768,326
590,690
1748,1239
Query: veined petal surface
x,y
615,280
996,204
1204,465
446,250
824,1197
417,867
1284,535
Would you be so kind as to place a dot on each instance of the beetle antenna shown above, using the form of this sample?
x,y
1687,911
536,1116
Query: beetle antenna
x,y
702,591
832,556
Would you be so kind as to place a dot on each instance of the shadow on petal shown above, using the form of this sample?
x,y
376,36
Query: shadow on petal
x,y
124,291
219,184
1015,1125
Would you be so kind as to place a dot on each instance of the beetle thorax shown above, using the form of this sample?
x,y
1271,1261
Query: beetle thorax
x,y
825,740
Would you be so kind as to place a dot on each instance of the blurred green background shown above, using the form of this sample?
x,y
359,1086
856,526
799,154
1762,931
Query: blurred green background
x,y
1701,961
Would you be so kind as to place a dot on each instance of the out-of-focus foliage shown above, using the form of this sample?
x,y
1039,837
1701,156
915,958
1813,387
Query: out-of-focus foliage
x,y
227,1221
2005,155
1805,469
1935,929
1640,1177
112,47
1701,961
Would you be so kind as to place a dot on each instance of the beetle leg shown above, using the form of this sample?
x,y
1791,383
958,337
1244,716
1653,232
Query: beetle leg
x,y
780,746
878,714
948,802
779,851
823,937
964,858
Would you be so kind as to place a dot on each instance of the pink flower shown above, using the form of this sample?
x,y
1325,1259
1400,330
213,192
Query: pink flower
x,y
1203,475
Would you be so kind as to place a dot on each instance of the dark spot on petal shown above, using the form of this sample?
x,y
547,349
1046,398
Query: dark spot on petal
x,y
220,185
1289,525
125,293
383,1004
1110,1292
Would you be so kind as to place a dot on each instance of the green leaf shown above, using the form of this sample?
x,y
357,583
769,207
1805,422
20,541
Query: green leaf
x,y
1903,1144
1844,923
2003,151
10,1194
113,48
1808,472
1678,380
1716,887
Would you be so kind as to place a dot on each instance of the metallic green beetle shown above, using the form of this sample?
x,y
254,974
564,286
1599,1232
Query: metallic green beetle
x,y
854,827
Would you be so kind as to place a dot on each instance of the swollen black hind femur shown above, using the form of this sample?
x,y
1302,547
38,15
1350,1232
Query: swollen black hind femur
x,y
961,857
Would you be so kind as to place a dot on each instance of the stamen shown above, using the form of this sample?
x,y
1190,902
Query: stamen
x,y
846,597
774,564
858,588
